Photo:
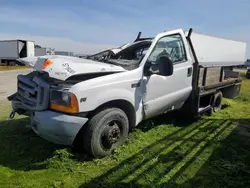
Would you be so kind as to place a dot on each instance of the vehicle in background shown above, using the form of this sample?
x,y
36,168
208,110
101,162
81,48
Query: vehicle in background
x,y
82,55
64,53
10,50
248,73
41,51
247,64
98,100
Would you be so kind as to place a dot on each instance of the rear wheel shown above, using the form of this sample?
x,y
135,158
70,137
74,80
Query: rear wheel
x,y
12,63
217,102
105,131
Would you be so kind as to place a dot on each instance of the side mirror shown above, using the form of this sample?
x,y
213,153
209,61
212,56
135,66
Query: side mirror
x,y
163,66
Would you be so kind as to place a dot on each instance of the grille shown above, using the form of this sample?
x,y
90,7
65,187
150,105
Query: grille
x,y
33,92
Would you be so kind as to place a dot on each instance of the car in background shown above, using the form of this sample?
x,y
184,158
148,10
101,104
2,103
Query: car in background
x,y
248,73
247,63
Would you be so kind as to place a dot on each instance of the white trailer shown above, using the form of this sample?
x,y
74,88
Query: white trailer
x,y
10,50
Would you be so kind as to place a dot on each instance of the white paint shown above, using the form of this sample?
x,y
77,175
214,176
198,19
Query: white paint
x,y
157,93
30,45
212,50
65,66
165,92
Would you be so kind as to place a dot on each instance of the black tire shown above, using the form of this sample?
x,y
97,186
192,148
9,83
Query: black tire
x,y
12,63
105,131
248,75
217,102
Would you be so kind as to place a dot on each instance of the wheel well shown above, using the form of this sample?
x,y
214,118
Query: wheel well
x,y
124,105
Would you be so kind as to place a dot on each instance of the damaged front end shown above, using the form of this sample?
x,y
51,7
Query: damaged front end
x,y
33,91
44,95
38,96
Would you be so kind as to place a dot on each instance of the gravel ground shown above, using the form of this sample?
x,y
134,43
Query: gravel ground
x,y
8,81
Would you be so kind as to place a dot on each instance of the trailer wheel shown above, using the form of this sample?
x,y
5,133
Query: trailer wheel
x,y
105,131
12,63
217,102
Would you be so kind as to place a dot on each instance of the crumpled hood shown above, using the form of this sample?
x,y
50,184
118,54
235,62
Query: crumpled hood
x,y
63,67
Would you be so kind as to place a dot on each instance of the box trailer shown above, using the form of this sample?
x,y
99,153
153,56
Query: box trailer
x,y
96,101
64,53
10,50
44,51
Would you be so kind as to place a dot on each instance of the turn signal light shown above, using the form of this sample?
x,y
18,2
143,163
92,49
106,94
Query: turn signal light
x,y
72,108
47,63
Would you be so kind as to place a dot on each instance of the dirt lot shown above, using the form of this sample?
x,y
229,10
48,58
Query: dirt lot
x,y
8,82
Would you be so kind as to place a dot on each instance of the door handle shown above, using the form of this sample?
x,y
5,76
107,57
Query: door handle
x,y
189,71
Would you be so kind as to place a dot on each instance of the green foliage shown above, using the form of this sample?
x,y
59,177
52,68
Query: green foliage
x,y
6,68
164,152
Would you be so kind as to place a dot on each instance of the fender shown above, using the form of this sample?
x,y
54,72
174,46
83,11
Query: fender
x,y
96,97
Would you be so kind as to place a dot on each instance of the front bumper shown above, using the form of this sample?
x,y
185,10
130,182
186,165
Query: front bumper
x,y
57,127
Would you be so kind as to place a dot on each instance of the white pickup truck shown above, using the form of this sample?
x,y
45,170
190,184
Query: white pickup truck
x,y
99,99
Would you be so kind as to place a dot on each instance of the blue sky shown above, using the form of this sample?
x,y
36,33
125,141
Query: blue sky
x,y
86,26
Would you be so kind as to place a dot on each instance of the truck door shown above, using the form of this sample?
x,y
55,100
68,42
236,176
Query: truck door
x,y
165,93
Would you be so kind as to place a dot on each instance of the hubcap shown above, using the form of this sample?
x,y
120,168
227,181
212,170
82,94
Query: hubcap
x,y
111,135
114,135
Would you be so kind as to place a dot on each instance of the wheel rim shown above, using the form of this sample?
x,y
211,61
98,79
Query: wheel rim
x,y
111,135
217,104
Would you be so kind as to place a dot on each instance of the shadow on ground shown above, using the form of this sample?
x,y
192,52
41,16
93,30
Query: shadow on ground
x,y
172,117
21,148
212,153
207,153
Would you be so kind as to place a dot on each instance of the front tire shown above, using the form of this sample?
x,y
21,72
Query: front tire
x,y
105,131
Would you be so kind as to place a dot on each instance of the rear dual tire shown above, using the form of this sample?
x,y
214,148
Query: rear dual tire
x,y
216,103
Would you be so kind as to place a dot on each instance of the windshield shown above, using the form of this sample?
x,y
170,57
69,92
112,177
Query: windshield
x,y
127,56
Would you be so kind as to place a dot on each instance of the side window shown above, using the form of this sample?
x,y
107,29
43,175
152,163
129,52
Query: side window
x,y
171,46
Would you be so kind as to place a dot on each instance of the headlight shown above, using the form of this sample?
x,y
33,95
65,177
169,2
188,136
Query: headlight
x,y
63,101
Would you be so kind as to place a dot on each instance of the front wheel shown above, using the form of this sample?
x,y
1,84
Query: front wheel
x,y
105,131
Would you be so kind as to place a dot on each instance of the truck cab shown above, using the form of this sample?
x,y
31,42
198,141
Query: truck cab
x,y
97,100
